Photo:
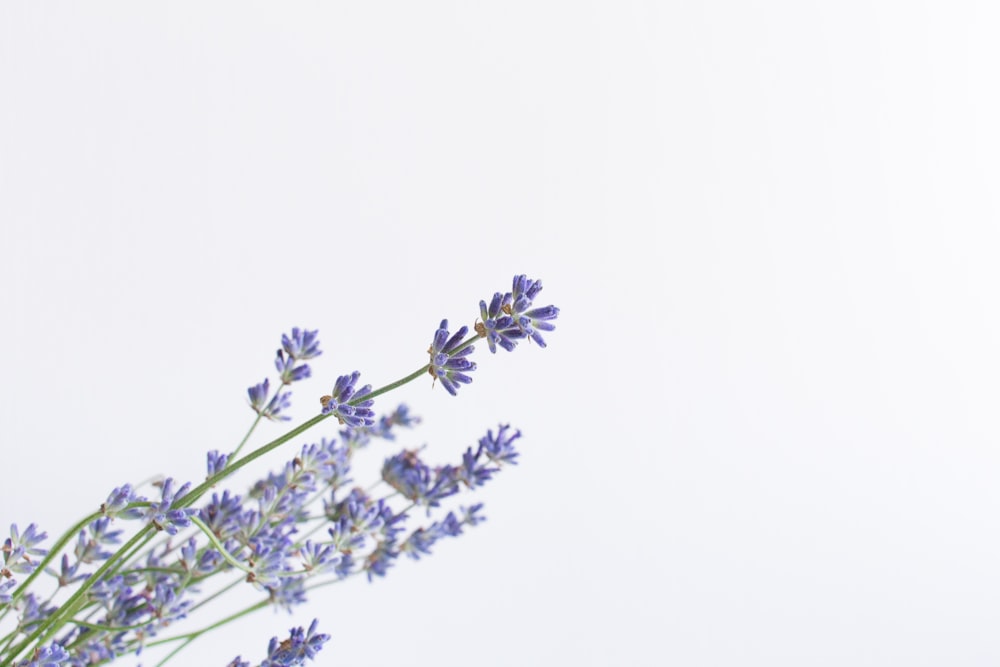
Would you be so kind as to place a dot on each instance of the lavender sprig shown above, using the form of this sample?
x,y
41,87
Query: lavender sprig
x,y
449,358
143,586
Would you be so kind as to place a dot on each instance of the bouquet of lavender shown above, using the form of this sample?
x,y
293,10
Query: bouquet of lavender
x,y
123,577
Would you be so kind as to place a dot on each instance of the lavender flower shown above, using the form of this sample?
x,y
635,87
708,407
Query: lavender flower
x,y
500,449
449,362
18,548
117,503
317,558
415,481
379,561
163,515
269,409
299,647
202,564
343,402
530,320
222,514
288,371
52,655
5,592
258,395
90,541
32,611
301,344
267,534
67,573
498,326
216,462
470,515
421,540
472,472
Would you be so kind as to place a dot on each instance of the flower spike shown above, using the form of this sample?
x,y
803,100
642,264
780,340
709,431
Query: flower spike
x,y
449,362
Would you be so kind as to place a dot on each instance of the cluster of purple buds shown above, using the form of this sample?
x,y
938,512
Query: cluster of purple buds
x,y
427,487
511,316
507,319
301,645
346,404
278,538
299,346
18,550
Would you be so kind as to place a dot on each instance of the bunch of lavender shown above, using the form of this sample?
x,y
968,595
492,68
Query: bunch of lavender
x,y
125,577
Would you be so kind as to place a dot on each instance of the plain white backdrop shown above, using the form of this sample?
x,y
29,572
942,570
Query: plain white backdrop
x,y
765,431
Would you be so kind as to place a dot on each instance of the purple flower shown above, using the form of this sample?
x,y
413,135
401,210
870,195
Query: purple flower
x,y
299,647
222,514
90,541
270,409
345,403
472,472
287,593
406,473
500,449
344,539
301,344
5,594
67,573
469,515
216,462
530,320
52,655
258,395
18,548
418,544
267,565
380,559
118,500
497,326
317,558
288,371
449,362
163,515
421,540
209,561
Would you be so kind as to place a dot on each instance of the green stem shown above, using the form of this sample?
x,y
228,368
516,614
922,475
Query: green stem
x,y
68,609
247,436
53,553
175,651
392,385
192,496
228,619
132,554
219,546
224,589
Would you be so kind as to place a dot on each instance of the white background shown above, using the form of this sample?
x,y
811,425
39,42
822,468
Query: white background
x,y
765,430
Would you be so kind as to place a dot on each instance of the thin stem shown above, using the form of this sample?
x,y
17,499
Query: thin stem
x,y
392,385
228,619
247,436
175,651
71,606
132,554
219,546
53,552
68,609
224,589
192,496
